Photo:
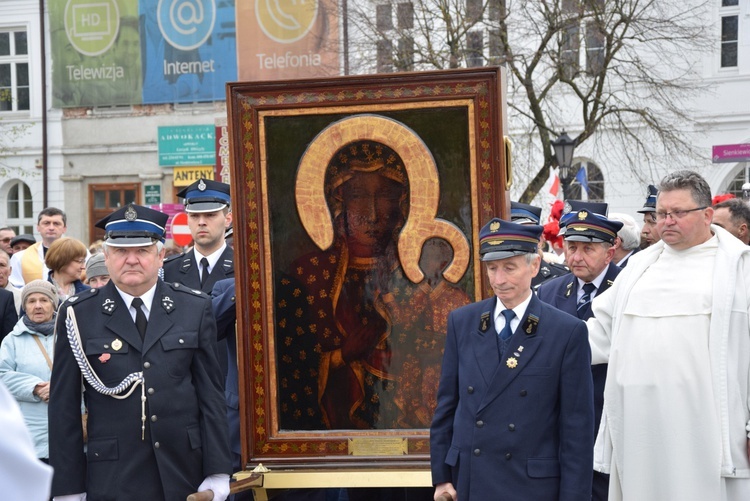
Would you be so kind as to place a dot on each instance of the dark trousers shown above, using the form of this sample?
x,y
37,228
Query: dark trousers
x,y
600,490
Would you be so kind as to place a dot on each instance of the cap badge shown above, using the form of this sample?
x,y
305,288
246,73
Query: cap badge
x,y
116,345
494,226
582,215
130,214
201,185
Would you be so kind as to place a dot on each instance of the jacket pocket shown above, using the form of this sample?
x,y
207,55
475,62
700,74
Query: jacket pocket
x,y
102,449
543,467
451,459
194,436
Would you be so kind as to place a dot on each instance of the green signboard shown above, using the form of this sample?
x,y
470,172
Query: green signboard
x,y
187,145
152,194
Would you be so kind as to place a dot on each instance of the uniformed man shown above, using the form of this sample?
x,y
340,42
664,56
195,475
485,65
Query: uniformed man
x,y
207,204
146,352
532,215
514,417
589,249
649,235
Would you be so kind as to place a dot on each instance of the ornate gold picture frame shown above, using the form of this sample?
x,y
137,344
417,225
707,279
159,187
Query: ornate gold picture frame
x,y
357,206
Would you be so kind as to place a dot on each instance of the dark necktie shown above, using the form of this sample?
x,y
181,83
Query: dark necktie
x,y
583,309
507,332
204,273
140,317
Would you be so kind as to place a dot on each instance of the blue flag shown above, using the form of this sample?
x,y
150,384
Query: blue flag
x,y
582,179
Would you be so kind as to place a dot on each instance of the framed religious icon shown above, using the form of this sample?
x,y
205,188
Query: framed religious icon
x,y
357,207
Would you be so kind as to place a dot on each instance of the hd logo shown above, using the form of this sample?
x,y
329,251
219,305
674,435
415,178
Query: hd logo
x,y
286,21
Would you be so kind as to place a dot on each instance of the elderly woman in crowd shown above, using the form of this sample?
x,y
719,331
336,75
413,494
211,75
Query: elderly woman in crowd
x,y
97,274
66,259
26,359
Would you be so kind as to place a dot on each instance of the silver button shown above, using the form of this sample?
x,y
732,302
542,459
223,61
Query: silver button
x,y
146,365
151,391
156,445
181,341
153,418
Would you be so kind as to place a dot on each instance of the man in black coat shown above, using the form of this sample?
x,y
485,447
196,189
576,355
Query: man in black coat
x,y
8,317
589,249
146,351
207,204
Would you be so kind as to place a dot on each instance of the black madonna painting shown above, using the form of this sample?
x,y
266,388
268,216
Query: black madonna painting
x,y
358,220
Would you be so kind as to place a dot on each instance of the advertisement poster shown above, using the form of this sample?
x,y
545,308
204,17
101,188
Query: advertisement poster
x,y
124,52
287,39
189,50
96,58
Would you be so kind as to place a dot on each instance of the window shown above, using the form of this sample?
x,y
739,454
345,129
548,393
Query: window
x,y
405,54
474,43
474,11
735,185
588,183
383,16
405,15
497,49
729,38
104,199
569,45
594,48
14,71
385,56
19,208
729,3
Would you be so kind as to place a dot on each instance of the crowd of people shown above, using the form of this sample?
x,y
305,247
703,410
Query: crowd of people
x,y
616,366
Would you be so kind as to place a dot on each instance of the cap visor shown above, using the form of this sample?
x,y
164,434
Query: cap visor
x,y
584,238
495,256
130,242
205,207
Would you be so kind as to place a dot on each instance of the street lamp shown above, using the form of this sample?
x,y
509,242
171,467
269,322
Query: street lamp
x,y
564,147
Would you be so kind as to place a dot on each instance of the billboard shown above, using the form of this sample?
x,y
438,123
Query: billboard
x,y
287,39
124,52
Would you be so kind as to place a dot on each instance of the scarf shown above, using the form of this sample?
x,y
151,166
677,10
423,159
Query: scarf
x,y
43,328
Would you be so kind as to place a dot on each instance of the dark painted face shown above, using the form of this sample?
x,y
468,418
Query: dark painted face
x,y
371,212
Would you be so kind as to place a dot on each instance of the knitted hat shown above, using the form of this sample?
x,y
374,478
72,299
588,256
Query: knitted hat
x,y
95,267
41,286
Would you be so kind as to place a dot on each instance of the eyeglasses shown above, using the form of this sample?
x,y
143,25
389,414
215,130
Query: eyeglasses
x,y
675,214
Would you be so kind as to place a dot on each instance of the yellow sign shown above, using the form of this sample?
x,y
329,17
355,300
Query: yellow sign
x,y
185,176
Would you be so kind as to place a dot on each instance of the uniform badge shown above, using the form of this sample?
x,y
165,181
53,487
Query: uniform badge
x,y
116,345
201,185
167,304
72,299
569,289
104,357
108,306
484,325
520,348
494,226
582,215
512,363
529,327
130,214
610,282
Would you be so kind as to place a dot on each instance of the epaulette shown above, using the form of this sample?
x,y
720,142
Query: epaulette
x,y
187,290
81,296
173,257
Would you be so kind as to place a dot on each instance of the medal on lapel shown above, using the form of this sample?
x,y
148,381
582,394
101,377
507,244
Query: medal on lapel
x,y
116,345
529,327
512,362
484,324
569,289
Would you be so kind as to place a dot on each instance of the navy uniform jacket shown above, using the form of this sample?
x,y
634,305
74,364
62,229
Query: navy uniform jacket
x,y
8,316
562,293
186,427
223,299
515,433
185,270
